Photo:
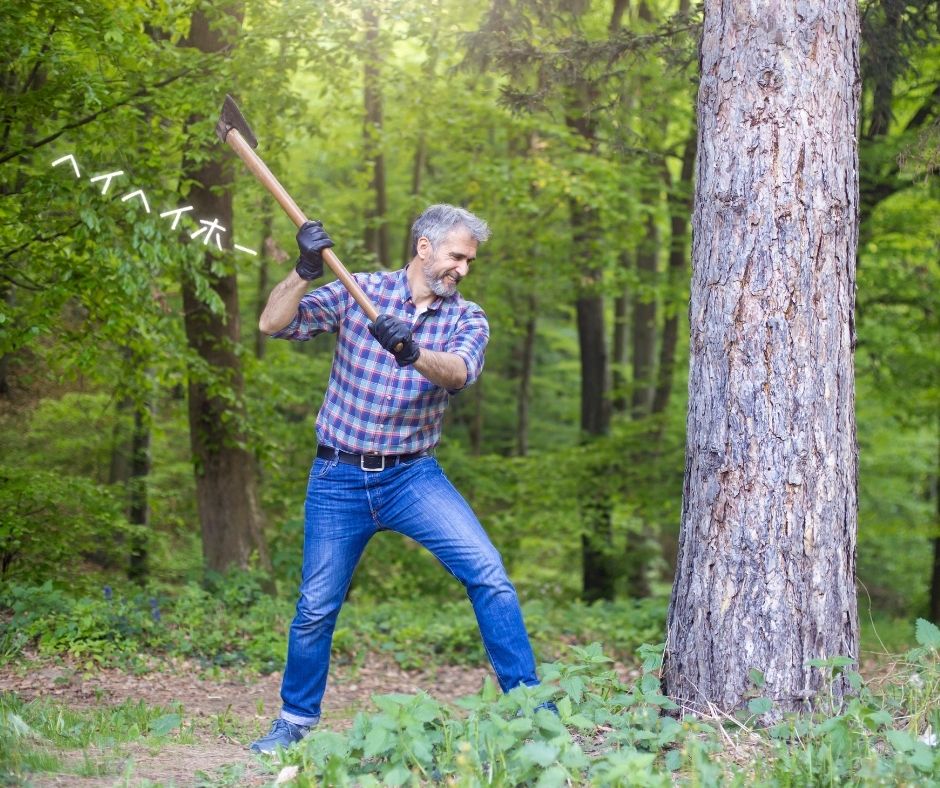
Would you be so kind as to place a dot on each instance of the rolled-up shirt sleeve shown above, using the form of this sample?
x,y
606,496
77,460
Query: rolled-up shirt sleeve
x,y
319,312
469,341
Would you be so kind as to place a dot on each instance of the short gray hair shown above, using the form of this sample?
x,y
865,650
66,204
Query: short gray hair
x,y
438,220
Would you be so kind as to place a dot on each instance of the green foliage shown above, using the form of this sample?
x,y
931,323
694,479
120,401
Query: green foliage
x,y
611,732
47,521
232,622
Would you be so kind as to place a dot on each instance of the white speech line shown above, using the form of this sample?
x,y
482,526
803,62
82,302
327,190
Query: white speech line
x,y
245,249
71,159
176,219
106,177
138,193
209,227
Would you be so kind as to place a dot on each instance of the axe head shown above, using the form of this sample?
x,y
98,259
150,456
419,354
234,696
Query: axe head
x,y
232,118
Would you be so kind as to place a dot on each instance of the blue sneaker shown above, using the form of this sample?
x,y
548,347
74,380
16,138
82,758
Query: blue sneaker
x,y
283,734
548,706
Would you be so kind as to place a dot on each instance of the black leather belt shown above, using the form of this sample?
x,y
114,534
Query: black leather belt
x,y
367,462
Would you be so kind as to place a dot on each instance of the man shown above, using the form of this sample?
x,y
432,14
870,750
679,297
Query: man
x,y
380,420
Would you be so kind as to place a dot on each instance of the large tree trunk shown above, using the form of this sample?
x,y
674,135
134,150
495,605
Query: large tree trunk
x,y
226,484
766,574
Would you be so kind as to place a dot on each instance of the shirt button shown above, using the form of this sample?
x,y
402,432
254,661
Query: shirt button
x,y
389,398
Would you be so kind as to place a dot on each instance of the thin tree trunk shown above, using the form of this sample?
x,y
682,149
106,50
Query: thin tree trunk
x,y
261,294
680,206
376,229
226,484
527,366
476,421
139,504
766,568
417,175
620,346
935,580
598,573
644,319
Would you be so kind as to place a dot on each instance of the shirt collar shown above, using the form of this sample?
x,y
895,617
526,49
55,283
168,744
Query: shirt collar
x,y
404,290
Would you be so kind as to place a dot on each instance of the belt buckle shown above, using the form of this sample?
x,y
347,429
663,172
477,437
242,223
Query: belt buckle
x,y
364,457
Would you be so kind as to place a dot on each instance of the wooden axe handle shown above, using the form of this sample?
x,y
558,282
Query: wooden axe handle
x,y
263,174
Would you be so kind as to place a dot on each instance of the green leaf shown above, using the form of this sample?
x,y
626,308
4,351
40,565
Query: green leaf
x,y
673,760
163,725
902,741
538,753
832,662
927,633
553,777
378,741
574,686
922,758
756,677
759,706
397,776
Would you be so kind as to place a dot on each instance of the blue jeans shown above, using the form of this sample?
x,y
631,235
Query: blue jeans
x,y
345,506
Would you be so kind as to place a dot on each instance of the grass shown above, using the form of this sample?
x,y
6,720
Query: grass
x,y
42,736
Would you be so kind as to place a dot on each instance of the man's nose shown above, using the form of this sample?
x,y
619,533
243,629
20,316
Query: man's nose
x,y
463,268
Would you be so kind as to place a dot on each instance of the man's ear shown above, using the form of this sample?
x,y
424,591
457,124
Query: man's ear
x,y
424,247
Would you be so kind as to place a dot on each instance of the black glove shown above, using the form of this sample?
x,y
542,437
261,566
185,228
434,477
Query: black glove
x,y
393,333
312,240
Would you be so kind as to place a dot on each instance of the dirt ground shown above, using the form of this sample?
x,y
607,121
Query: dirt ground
x,y
224,714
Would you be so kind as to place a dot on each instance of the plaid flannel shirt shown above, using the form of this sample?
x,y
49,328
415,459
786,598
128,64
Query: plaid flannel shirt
x,y
371,403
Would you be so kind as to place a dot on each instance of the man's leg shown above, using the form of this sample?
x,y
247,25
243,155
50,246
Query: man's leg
x,y
338,524
419,501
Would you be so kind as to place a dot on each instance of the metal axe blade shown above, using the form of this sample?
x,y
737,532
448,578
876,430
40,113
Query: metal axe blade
x,y
232,118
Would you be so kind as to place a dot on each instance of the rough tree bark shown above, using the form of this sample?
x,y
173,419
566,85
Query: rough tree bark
x,y
766,568
226,482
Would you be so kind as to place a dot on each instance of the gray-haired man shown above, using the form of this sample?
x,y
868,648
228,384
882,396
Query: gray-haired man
x,y
381,418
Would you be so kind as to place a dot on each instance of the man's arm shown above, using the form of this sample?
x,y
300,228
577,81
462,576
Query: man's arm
x,y
447,370
282,304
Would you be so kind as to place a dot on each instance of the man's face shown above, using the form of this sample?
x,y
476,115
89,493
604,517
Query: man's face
x,y
449,262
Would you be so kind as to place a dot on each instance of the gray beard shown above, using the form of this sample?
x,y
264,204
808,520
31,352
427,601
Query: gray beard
x,y
441,286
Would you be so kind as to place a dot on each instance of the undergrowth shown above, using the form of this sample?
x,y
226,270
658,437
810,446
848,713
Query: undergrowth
x,y
611,733
232,622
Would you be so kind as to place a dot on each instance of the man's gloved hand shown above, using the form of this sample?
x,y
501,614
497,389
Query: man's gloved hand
x,y
390,332
312,240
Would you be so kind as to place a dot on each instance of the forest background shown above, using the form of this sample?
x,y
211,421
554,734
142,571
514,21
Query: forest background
x,y
156,447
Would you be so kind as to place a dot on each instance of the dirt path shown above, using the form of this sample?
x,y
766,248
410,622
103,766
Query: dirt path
x,y
224,714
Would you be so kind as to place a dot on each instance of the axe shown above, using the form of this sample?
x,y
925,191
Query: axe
x,y
234,129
